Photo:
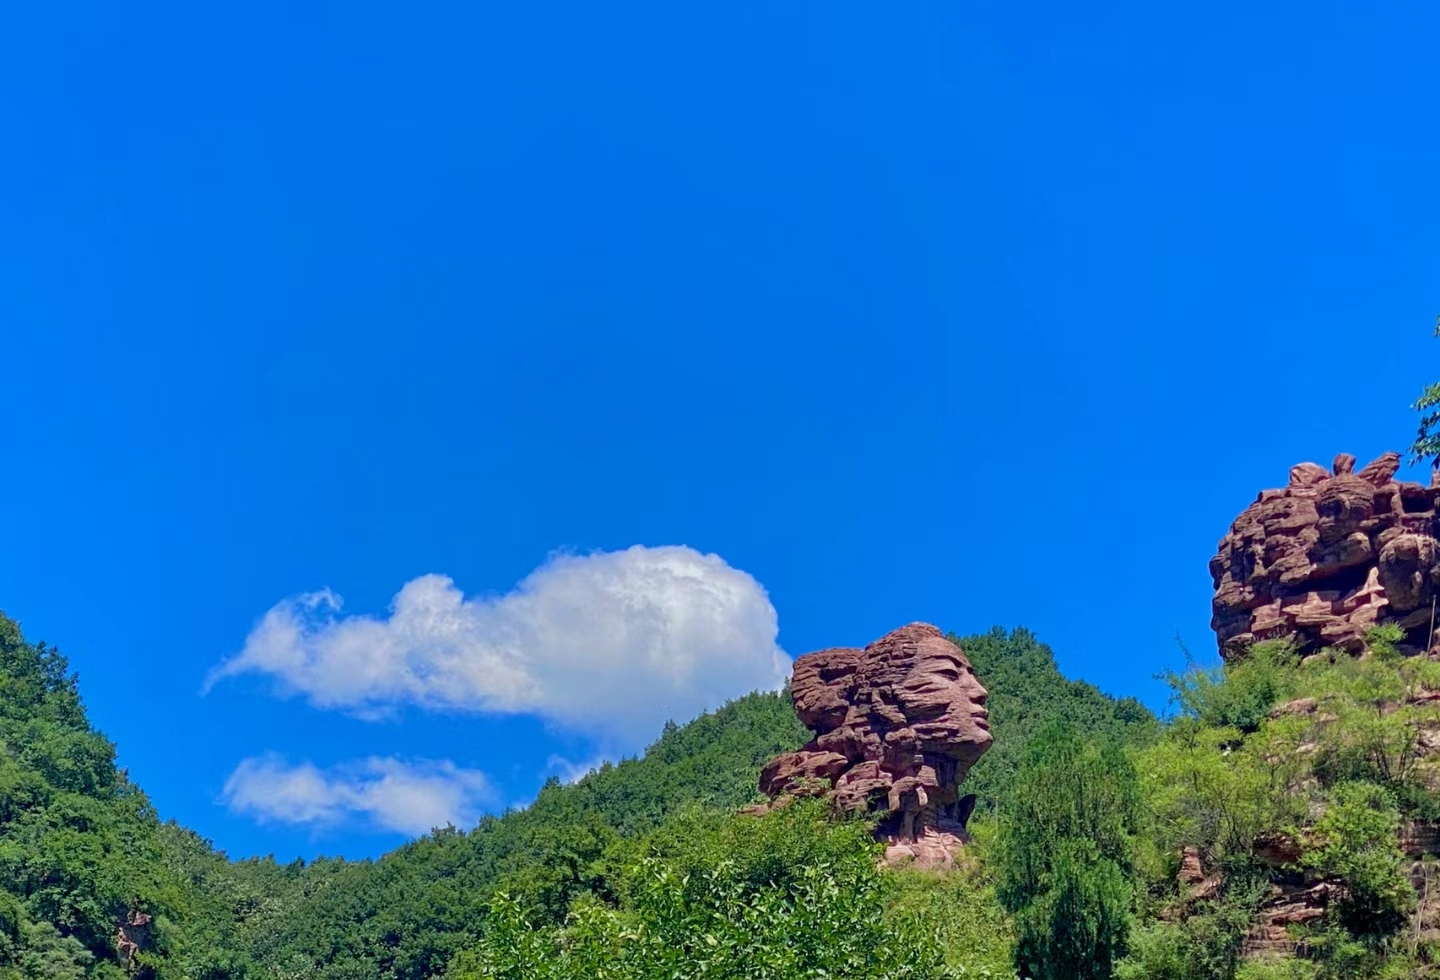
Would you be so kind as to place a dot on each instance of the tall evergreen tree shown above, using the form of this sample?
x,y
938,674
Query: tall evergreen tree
x,y
1066,856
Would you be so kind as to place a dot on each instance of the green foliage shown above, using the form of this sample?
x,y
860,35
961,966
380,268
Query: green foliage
x,y
1065,857
1356,841
1027,691
959,908
1325,754
1205,944
78,844
1427,439
784,897
1238,696
1217,791
1376,720
1277,969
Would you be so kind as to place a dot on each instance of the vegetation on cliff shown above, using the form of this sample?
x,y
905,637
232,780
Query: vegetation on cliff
x,y
1288,784
1426,447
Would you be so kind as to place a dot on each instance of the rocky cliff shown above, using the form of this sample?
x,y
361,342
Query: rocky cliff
x,y
1328,557
1320,562
897,726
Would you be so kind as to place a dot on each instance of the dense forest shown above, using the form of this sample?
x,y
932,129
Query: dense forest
x,y
1107,844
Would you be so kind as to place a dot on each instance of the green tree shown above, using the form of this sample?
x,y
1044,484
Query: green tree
x,y
1375,718
1065,856
1355,842
1427,440
1204,943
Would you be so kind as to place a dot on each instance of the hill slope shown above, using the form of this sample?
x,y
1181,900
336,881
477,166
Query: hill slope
x,y
81,848
406,914
79,844
1027,691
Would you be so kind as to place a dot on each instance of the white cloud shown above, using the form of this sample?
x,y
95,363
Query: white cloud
x,y
573,772
409,797
611,643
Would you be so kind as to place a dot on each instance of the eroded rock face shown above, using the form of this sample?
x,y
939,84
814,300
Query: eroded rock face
x,y
1328,557
133,935
897,727
1286,910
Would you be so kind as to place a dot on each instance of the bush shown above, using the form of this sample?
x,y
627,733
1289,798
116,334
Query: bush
x,y
1355,841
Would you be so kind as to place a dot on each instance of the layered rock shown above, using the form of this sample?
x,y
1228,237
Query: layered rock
x,y
1328,557
1321,562
897,727
1293,903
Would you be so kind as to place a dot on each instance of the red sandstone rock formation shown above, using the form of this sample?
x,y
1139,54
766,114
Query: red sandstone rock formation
x,y
1286,909
897,726
1327,558
132,934
1321,562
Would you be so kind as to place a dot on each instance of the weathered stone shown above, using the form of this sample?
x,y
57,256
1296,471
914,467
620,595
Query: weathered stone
x,y
1307,474
1299,706
1191,871
1420,838
1380,471
897,727
133,936
1327,558
1277,849
1286,909
820,683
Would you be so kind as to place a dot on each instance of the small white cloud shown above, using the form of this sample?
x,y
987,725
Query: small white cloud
x,y
573,772
611,643
410,797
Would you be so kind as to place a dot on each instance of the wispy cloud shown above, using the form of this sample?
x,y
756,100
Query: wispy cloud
x,y
409,797
611,643
573,772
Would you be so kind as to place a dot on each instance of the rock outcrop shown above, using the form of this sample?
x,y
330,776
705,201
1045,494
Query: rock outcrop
x,y
897,727
1321,562
1328,557
133,934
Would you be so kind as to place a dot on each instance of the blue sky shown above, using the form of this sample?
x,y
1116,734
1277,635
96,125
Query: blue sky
x,y
847,315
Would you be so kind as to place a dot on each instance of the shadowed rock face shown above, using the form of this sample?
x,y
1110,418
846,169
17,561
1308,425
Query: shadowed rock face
x,y
1327,558
897,726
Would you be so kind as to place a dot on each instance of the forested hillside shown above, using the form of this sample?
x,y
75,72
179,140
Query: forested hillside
x,y
85,853
1027,691
406,914
82,872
